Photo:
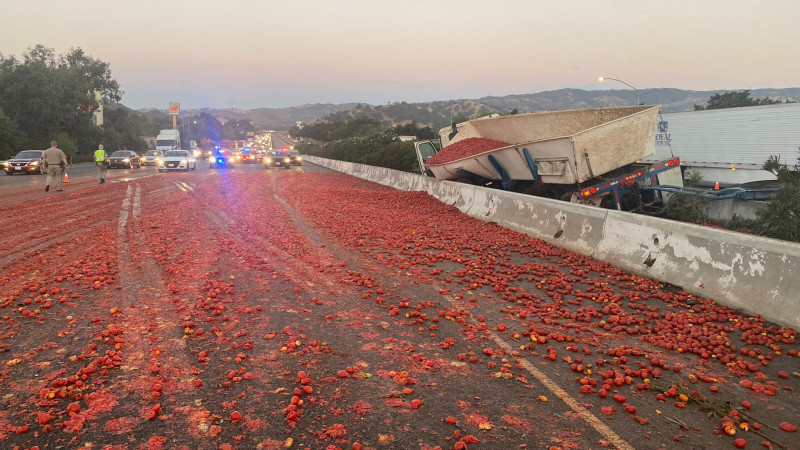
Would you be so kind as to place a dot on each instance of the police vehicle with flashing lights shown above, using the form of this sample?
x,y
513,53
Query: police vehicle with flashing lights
x,y
249,155
220,158
277,158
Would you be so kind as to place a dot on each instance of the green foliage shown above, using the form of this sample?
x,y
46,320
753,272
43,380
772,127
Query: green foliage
x,y
237,129
149,128
11,138
413,129
47,93
362,126
780,218
688,207
734,99
378,149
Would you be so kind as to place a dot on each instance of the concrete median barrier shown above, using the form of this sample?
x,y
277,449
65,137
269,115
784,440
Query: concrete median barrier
x,y
751,273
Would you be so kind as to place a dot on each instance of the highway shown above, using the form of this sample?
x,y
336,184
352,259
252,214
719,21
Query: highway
x,y
302,308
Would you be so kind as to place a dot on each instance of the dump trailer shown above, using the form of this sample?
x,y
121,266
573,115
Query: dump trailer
x,y
591,156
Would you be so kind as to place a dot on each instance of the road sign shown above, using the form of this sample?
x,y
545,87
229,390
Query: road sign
x,y
174,108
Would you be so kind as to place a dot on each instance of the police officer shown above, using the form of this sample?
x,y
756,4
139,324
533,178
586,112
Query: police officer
x,y
101,161
54,161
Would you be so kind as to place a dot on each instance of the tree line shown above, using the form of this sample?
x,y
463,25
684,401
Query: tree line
x,y
364,140
46,96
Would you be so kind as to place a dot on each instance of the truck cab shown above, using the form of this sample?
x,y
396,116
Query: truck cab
x,y
168,140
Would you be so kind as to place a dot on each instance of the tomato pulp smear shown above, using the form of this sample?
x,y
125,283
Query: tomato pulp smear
x,y
463,149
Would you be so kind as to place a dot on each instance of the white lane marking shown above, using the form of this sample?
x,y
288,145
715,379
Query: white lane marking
x,y
551,385
123,214
137,203
182,186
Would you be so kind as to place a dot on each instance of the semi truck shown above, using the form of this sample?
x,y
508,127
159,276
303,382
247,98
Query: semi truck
x,y
168,140
729,146
591,156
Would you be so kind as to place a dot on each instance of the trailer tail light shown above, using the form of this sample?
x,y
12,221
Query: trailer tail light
x,y
589,192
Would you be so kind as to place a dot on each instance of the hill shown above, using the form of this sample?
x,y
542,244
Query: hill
x,y
438,114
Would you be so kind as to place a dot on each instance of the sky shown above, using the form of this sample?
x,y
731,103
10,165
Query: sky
x,y
274,54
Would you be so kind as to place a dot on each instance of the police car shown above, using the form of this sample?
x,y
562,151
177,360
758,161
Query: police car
x,y
219,158
277,158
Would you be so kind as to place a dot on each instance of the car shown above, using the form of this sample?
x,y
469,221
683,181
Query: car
x,y
26,161
220,158
296,158
177,160
277,158
151,157
124,159
249,156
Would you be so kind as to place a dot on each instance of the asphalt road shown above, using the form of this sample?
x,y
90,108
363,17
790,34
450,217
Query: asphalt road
x,y
301,308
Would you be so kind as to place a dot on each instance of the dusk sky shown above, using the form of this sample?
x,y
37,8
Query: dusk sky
x,y
264,53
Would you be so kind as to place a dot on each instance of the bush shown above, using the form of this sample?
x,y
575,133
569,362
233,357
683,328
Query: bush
x,y
688,207
379,149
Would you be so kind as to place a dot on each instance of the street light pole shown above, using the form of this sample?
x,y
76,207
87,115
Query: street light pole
x,y
626,84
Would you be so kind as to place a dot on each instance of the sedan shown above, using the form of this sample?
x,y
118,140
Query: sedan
x,y
220,158
177,160
124,159
151,158
26,161
276,159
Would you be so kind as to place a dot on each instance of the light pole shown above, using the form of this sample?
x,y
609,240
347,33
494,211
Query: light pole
x,y
626,84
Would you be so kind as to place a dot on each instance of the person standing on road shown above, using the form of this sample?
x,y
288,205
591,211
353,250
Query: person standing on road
x,y
101,161
54,161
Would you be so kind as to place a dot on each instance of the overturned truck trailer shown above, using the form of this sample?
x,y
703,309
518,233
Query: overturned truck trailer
x,y
579,155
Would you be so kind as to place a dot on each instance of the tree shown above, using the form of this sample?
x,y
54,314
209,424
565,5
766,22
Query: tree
x,y
11,138
45,93
780,218
734,100
413,129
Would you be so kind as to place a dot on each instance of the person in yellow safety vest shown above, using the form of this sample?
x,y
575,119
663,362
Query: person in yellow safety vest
x,y
101,161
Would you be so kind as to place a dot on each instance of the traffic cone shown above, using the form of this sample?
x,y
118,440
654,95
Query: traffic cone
x,y
716,186
131,168
66,177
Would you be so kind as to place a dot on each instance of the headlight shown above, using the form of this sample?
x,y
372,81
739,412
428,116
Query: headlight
x,y
126,160
160,162
184,161
211,159
267,160
197,153
286,159
231,160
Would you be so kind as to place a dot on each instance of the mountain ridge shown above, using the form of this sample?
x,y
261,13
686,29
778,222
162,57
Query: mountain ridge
x,y
437,114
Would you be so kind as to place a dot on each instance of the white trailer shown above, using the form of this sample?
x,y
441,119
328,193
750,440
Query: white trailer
x,y
730,145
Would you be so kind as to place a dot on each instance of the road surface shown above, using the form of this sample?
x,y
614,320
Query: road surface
x,y
253,308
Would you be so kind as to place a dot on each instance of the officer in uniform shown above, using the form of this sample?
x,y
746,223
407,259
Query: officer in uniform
x,y
54,161
101,161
